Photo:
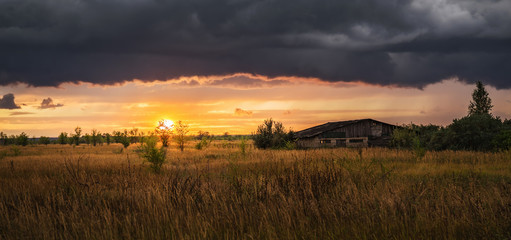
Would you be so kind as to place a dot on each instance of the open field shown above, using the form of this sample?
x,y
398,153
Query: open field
x,y
86,192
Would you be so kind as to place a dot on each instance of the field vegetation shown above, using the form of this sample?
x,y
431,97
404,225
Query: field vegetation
x,y
231,190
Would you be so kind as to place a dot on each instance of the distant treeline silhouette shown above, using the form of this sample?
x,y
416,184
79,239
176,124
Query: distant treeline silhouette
x,y
125,137
478,131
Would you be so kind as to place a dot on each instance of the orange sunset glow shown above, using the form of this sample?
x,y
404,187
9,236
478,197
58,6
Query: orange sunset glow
x,y
233,107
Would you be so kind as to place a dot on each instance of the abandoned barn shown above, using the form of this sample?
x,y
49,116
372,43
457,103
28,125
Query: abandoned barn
x,y
353,133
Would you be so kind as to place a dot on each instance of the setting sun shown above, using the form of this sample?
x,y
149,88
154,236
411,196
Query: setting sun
x,y
166,123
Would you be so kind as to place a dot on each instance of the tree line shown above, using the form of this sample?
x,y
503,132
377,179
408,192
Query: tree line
x,y
478,131
177,133
94,138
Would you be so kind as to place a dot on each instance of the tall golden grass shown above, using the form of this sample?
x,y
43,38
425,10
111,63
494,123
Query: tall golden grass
x,y
65,192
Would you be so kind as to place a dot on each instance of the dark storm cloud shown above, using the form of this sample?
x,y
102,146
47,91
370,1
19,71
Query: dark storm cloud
x,y
399,42
48,103
7,102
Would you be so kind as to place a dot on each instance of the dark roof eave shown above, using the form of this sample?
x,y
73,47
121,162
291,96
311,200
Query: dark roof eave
x,y
333,125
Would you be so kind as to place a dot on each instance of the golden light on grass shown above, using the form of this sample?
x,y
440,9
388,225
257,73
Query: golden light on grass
x,y
66,192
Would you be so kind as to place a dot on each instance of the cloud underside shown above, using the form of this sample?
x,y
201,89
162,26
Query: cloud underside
x,y
19,113
48,103
398,42
7,102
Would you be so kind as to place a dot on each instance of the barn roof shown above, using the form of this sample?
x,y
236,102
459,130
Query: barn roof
x,y
329,126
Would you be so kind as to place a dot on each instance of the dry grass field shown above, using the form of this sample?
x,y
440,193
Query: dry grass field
x,y
85,192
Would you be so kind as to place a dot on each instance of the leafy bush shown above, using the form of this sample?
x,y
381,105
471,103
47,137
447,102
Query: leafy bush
x,y
204,143
76,137
96,137
474,132
22,139
125,141
403,137
155,156
272,134
502,141
44,140
243,146
62,139
412,136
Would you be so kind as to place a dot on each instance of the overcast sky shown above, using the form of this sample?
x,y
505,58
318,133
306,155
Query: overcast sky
x,y
235,62
386,42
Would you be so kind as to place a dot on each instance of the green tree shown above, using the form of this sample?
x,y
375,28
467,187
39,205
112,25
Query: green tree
x,y
117,136
133,135
202,134
272,134
481,102
62,139
3,138
96,137
87,138
108,138
22,139
124,139
76,137
180,134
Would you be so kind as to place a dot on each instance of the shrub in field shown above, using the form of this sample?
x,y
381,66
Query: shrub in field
x,y
22,139
125,141
62,139
108,138
87,138
408,136
134,135
272,134
243,146
76,137
180,135
44,140
121,137
3,138
204,143
154,155
96,137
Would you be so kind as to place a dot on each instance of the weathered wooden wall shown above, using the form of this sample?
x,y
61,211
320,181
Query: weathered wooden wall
x,y
369,130
366,129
